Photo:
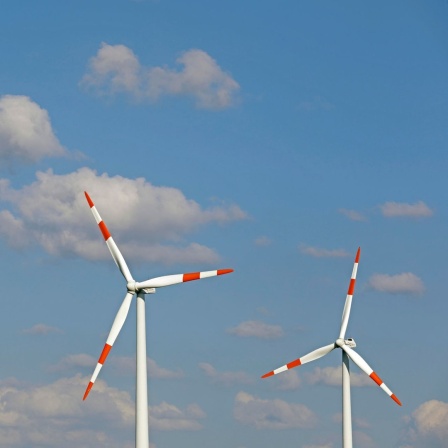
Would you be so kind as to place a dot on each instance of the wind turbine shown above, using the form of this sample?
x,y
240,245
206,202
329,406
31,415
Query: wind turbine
x,y
347,346
133,287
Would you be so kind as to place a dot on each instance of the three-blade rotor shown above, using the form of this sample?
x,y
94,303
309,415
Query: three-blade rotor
x,y
133,287
341,343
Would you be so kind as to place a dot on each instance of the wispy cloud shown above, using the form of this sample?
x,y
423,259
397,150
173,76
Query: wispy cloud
x,y
225,378
122,365
402,209
322,253
317,103
256,329
41,329
332,376
405,283
263,241
271,414
116,68
150,222
352,214
167,417
126,365
26,134
74,362
288,380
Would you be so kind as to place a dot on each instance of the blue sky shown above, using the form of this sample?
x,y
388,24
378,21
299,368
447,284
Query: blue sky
x,y
273,138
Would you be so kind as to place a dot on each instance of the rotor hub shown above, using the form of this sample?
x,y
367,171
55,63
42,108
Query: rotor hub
x,y
132,287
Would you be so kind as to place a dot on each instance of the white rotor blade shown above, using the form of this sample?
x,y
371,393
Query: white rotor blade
x,y
168,280
115,252
359,361
348,300
316,354
115,330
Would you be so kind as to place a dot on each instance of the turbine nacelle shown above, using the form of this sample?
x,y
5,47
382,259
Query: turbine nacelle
x,y
350,342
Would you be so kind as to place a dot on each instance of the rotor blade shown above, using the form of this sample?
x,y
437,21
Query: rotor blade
x,y
348,300
316,354
115,330
359,361
116,254
168,280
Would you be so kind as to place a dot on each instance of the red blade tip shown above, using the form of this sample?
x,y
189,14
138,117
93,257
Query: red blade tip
x,y
87,390
394,397
88,199
224,271
268,374
357,255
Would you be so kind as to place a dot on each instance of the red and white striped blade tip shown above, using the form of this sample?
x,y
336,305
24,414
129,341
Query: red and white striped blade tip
x,y
91,204
190,276
86,393
297,362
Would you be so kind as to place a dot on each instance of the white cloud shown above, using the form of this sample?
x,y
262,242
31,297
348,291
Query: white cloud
x,y
224,378
116,68
405,283
55,415
167,417
41,329
148,222
428,425
257,329
352,214
323,253
402,209
271,414
26,134
332,376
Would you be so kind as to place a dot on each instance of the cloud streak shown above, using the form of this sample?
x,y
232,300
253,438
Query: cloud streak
x,y
405,210
256,329
148,222
322,253
271,414
405,283
225,378
116,69
332,376
41,329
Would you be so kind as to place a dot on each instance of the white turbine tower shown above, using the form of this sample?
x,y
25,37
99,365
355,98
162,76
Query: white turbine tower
x,y
133,287
347,346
